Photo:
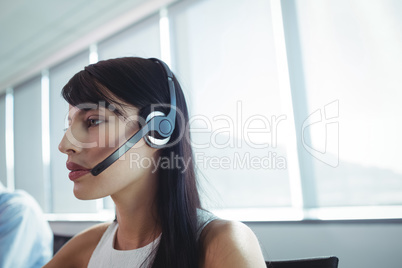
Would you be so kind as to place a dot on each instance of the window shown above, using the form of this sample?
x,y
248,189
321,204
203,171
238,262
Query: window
x,y
28,164
142,39
3,166
350,60
228,68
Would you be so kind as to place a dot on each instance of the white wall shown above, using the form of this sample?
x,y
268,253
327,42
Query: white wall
x,y
369,244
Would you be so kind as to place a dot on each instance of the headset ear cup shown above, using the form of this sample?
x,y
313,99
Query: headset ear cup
x,y
152,139
156,143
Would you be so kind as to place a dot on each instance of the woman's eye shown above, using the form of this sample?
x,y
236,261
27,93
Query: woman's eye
x,y
94,122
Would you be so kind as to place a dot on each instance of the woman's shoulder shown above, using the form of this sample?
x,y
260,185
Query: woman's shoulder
x,y
78,250
230,244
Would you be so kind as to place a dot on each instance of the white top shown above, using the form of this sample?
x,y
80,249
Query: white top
x,y
105,255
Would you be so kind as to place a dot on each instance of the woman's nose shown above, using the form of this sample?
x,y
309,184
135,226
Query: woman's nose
x,y
67,144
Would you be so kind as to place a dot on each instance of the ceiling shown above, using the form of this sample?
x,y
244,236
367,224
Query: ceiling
x,y
38,34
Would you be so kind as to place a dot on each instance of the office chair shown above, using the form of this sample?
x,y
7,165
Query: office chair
x,y
59,241
318,262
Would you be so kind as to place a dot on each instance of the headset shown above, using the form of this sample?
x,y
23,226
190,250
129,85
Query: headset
x,y
156,122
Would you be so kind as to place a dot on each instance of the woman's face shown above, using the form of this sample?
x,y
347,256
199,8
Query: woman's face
x,y
94,133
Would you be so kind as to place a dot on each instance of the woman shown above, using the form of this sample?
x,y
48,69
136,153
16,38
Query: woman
x,y
159,221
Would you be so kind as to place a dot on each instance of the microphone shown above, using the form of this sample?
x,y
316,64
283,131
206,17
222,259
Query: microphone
x,y
120,151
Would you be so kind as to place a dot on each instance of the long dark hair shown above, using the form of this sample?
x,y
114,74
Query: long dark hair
x,y
141,83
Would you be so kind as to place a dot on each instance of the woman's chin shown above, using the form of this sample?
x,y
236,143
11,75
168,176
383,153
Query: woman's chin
x,y
86,195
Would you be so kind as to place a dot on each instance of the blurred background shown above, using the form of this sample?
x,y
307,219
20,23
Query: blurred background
x,y
294,109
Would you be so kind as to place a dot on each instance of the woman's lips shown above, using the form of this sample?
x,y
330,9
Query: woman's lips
x,y
75,174
76,170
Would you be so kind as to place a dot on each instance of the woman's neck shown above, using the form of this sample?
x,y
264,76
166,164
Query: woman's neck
x,y
136,213
136,232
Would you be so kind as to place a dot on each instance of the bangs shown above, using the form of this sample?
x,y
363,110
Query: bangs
x,y
83,88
